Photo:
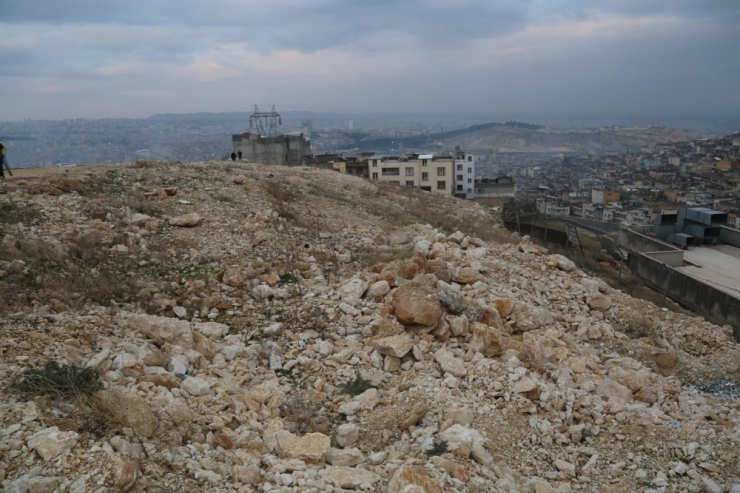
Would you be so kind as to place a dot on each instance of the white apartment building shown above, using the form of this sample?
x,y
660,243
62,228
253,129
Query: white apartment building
x,y
464,174
425,171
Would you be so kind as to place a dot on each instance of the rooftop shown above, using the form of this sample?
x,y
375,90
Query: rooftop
x,y
718,266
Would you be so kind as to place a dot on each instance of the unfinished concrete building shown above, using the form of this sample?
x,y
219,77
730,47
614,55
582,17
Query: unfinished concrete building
x,y
285,150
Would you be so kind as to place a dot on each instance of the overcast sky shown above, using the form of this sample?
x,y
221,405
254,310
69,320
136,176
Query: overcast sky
x,y
134,58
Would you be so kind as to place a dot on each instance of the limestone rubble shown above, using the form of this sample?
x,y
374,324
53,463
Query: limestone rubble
x,y
520,371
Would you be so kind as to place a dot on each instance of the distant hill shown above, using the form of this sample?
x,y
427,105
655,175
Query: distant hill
x,y
524,137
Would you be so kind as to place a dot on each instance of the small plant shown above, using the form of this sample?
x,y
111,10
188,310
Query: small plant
x,y
287,278
438,448
224,198
57,380
356,386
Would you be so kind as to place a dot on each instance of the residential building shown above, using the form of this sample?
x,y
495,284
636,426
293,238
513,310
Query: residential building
x,y
551,207
285,150
350,166
604,196
464,174
427,172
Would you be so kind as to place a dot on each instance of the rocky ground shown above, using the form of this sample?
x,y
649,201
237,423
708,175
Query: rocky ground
x,y
245,328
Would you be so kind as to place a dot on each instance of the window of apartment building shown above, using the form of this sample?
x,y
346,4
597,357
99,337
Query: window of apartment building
x,y
459,178
470,190
470,158
423,162
390,172
425,177
470,170
459,167
410,183
440,171
459,188
409,171
480,190
470,180
441,185
375,162
375,176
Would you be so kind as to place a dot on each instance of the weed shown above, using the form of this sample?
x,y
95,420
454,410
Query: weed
x,y
356,386
224,198
301,414
287,278
63,381
438,448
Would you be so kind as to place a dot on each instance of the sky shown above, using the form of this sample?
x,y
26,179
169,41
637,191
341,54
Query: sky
x,y
592,58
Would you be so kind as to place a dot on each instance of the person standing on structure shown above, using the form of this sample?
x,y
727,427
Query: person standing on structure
x,y
3,163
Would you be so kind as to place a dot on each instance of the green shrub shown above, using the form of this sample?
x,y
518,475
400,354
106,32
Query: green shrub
x,y
438,448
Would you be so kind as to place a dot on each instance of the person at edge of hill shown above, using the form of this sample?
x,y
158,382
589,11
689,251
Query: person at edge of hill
x,y
239,154
3,163
233,156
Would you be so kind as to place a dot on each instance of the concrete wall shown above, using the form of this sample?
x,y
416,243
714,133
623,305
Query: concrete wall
x,y
672,259
730,236
639,243
716,306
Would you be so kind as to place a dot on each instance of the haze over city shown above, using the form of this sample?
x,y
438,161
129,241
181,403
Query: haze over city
x,y
593,62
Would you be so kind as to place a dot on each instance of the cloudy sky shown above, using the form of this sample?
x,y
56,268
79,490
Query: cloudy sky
x,y
134,58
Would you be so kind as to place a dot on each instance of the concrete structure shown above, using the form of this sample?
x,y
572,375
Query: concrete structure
x,y
690,226
350,166
494,191
705,279
552,208
427,172
285,150
603,197
464,174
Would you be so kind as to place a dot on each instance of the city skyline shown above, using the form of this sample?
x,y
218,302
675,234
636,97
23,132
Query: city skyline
x,y
622,59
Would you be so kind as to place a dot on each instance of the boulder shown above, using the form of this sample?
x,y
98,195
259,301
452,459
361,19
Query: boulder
x,y
347,434
233,277
561,262
450,363
353,290
310,448
416,304
398,345
406,479
487,340
504,306
50,443
467,275
377,290
597,301
129,410
186,220
195,386
212,330
163,329
350,477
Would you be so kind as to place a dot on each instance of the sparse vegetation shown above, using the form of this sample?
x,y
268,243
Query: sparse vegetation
x,y
438,448
58,381
356,386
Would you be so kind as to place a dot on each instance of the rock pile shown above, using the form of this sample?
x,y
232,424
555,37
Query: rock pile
x,y
269,359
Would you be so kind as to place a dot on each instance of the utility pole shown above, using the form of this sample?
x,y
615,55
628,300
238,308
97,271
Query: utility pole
x,y
266,123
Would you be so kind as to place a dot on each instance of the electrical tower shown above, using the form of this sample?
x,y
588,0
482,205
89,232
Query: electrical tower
x,y
266,123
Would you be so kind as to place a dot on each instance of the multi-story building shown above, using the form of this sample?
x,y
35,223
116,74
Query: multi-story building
x,y
604,196
494,191
464,174
424,171
551,207
286,150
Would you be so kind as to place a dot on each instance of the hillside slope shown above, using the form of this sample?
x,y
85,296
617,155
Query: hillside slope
x,y
235,327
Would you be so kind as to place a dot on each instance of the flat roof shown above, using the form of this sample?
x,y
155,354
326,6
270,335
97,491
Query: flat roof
x,y
718,266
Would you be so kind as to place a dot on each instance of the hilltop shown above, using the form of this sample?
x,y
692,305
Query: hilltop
x,y
233,327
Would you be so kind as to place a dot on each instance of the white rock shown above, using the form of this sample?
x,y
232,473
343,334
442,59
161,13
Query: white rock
x,y
163,329
353,290
49,443
347,434
380,288
180,311
195,386
212,330
349,477
450,363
